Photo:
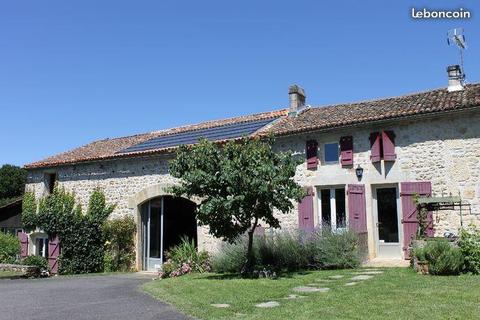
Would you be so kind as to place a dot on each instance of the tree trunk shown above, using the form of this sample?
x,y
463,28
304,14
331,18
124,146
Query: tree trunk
x,y
249,264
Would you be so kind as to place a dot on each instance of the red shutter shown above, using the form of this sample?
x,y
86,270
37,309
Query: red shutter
x,y
409,209
357,212
23,237
375,152
346,151
305,212
311,151
388,144
53,253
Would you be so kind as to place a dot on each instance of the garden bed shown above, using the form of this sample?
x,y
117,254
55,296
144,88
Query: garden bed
x,y
395,292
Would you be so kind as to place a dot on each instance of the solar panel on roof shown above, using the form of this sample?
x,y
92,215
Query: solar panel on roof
x,y
230,131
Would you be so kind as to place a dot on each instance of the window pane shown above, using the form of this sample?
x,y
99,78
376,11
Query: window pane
x,y
155,231
331,152
340,204
326,209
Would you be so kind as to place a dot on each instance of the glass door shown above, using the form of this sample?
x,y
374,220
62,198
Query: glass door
x,y
152,215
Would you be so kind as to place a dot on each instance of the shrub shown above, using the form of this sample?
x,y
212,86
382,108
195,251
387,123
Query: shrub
x,y
335,250
292,251
184,258
9,248
443,258
469,244
81,235
119,245
230,258
37,261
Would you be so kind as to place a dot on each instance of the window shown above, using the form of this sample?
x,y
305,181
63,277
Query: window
x,y
382,146
50,180
331,152
41,246
332,208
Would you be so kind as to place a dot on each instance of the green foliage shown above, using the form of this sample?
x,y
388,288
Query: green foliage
x,y
81,235
119,245
443,258
469,244
36,261
12,181
335,250
240,183
29,211
9,248
292,251
184,258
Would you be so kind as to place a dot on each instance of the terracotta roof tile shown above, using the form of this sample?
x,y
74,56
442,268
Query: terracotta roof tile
x,y
110,148
327,117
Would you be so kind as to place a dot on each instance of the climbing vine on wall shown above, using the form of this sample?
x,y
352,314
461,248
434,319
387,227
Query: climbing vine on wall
x,y
81,234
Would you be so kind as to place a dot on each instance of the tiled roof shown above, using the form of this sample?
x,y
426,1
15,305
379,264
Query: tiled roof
x,y
114,148
340,115
311,119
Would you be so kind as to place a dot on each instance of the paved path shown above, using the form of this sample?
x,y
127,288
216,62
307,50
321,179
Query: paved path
x,y
82,297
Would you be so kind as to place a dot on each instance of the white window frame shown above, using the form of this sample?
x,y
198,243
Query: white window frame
x,y
325,153
45,244
333,206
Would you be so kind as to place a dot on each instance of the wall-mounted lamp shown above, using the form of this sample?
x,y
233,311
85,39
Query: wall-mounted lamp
x,y
359,172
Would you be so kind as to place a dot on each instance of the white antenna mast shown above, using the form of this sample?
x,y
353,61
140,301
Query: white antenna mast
x,y
456,37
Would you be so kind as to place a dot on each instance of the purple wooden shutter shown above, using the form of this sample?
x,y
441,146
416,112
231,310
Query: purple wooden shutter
x,y
375,152
409,209
305,212
388,144
346,151
23,237
311,151
259,230
357,212
53,253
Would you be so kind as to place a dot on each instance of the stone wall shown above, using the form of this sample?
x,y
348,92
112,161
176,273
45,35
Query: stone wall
x,y
445,151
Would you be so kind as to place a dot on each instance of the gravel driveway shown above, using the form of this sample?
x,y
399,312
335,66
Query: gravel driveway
x,y
82,297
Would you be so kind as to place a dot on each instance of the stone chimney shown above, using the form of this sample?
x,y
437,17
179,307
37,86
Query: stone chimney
x,y
297,99
455,78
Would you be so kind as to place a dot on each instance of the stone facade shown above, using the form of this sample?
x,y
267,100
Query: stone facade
x,y
445,151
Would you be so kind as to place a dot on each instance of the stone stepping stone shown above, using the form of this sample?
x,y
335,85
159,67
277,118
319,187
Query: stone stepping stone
x,y
338,276
349,284
220,305
361,277
293,296
323,280
310,289
268,304
371,272
313,284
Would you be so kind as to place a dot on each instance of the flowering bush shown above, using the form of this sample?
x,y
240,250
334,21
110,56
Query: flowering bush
x,y
184,258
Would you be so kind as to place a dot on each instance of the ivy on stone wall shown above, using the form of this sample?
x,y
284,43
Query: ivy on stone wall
x,y
81,235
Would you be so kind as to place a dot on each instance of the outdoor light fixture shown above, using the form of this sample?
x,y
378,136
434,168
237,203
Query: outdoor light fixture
x,y
359,172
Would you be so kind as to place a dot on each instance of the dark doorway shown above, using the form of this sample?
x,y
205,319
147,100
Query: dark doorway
x,y
165,220
387,214
179,221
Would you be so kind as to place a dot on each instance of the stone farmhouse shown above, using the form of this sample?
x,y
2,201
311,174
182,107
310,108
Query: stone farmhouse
x,y
364,163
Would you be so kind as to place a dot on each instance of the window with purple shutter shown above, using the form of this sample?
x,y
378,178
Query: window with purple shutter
x,y
53,253
23,238
312,154
357,212
346,151
305,212
388,144
375,147
408,191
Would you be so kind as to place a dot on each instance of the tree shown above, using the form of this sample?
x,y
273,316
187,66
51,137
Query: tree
x,y
12,182
239,184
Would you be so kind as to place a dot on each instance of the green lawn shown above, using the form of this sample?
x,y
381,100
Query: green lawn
x,y
398,293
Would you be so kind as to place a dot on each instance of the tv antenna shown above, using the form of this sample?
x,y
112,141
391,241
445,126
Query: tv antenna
x,y
456,37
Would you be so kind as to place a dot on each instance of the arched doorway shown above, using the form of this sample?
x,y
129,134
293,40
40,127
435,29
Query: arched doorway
x,y
165,220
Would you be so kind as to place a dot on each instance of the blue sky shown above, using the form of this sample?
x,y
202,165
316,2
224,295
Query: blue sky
x,y
76,71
